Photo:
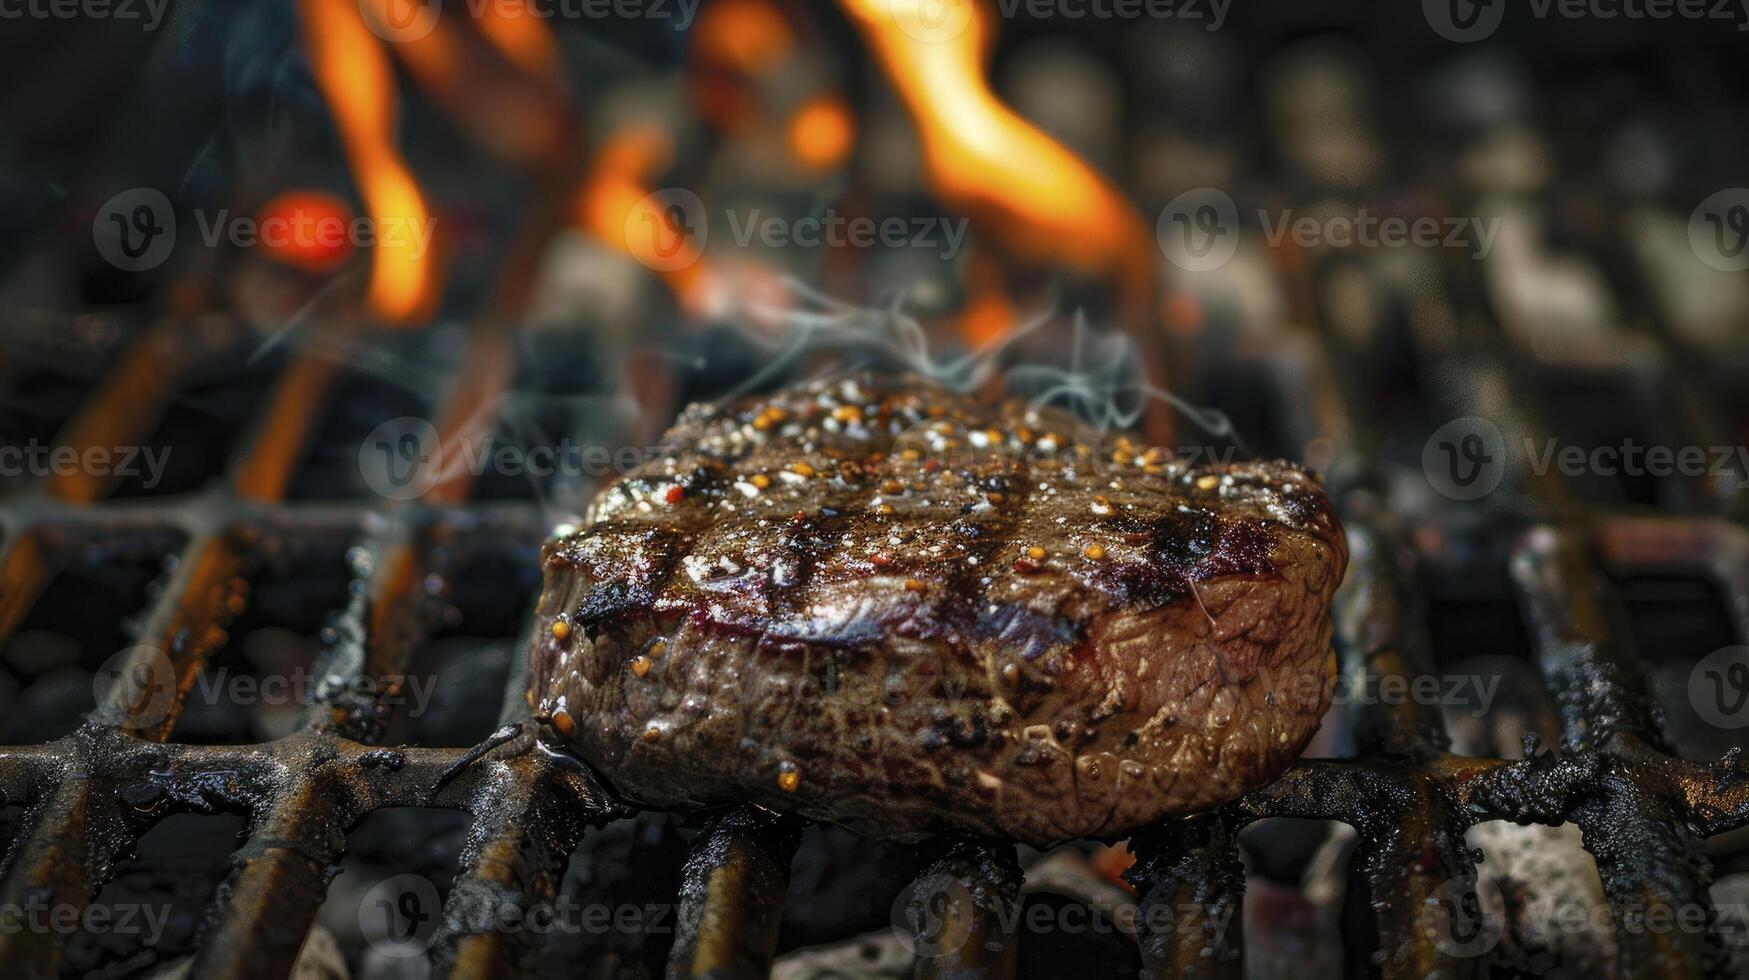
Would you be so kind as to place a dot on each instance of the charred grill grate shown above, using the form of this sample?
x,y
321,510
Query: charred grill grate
x,y
89,796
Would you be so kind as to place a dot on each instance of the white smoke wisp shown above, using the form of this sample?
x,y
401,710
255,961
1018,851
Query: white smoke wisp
x,y
1104,381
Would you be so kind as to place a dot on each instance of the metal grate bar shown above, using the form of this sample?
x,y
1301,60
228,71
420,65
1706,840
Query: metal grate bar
x,y
1645,854
89,836
1598,683
973,932
525,826
731,898
1180,866
1716,548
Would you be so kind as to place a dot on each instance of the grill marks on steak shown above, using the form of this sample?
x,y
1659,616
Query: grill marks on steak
x,y
891,606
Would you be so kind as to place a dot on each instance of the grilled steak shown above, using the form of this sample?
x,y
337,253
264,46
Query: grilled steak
x,y
879,603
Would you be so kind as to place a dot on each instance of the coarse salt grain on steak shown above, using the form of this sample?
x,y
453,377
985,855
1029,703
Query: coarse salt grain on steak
x,y
883,604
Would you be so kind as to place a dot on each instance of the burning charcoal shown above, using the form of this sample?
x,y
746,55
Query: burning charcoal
x,y
1551,899
1536,878
1730,896
883,604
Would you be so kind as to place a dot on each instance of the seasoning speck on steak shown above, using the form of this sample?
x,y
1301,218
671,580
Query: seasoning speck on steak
x,y
876,602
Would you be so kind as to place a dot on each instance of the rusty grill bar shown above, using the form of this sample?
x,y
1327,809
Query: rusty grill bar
x,y
90,796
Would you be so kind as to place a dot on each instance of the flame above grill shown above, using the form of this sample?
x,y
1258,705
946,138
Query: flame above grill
x,y
355,78
1029,193
616,206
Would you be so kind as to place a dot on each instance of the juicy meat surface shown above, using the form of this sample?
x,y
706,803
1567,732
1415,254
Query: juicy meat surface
x,y
879,603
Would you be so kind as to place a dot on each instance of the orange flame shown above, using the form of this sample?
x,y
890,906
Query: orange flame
x,y
616,206
354,76
984,160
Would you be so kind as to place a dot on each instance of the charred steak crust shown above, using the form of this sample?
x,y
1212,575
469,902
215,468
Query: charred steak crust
x,y
879,603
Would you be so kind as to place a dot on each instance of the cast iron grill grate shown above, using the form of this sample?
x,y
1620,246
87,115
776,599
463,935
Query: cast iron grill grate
x,y
88,796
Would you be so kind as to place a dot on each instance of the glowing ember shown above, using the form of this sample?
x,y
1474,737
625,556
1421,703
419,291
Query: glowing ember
x,y
821,133
306,230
